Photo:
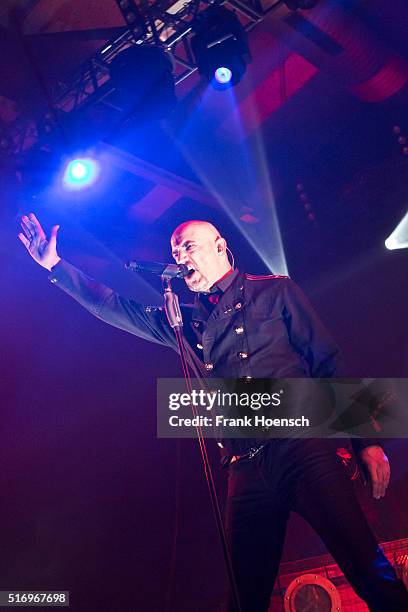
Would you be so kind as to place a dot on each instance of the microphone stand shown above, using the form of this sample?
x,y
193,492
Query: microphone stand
x,y
175,320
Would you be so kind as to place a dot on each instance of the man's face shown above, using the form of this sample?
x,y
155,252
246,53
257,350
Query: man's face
x,y
197,246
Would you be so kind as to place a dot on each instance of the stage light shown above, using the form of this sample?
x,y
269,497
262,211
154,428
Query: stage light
x,y
219,45
143,79
78,170
399,237
390,243
223,75
80,173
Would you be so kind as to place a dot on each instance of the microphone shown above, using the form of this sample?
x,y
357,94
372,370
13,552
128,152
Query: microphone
x,y
164,270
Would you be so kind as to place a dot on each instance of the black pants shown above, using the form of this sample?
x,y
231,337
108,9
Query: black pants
x,y
308,477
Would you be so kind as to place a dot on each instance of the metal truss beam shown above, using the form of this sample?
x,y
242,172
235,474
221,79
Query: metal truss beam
x,y
174,32
166,21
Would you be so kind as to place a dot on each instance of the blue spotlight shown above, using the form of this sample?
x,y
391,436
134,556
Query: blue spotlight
x,y
223,75
80,173
219,40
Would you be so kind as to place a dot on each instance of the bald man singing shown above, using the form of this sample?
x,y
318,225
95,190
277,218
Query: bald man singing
x,y
244,326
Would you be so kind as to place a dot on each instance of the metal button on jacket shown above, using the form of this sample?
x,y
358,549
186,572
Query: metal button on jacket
x,y
199,346
243,355
238,306
239,329
209,366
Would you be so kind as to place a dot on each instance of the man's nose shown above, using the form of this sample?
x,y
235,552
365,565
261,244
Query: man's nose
x,y
182,258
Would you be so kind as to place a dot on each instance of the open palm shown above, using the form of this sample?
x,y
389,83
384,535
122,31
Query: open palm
x,y
43,251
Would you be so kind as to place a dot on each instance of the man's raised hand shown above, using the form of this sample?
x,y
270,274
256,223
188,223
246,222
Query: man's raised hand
x,y
43,251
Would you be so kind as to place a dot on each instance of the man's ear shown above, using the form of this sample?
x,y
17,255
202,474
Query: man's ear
x,y
221,245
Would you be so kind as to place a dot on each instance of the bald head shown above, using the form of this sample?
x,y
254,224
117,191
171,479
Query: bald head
x,y
199,245
202,228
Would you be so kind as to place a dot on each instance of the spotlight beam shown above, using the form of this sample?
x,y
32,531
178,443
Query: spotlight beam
x,y
265,239
398,239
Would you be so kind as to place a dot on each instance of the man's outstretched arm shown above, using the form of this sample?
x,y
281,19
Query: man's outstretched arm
x,y
147,323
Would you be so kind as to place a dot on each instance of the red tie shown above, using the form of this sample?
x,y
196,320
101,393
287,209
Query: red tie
x,y
214,298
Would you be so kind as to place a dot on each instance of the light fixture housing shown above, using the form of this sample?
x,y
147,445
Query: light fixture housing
x,y
220,42
143,79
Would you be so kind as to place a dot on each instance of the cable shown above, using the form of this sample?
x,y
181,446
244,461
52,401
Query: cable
x,y
232,262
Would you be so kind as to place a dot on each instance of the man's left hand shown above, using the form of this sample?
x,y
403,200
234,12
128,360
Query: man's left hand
x,y
378,469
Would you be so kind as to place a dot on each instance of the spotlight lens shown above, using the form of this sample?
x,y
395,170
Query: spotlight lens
x,y
223,75
391,243
80,173
78,170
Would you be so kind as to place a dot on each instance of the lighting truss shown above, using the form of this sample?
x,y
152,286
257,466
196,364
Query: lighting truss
x,y
166,22
169,24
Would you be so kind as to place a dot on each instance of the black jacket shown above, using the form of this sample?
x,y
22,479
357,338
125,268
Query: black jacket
x,y
262,327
